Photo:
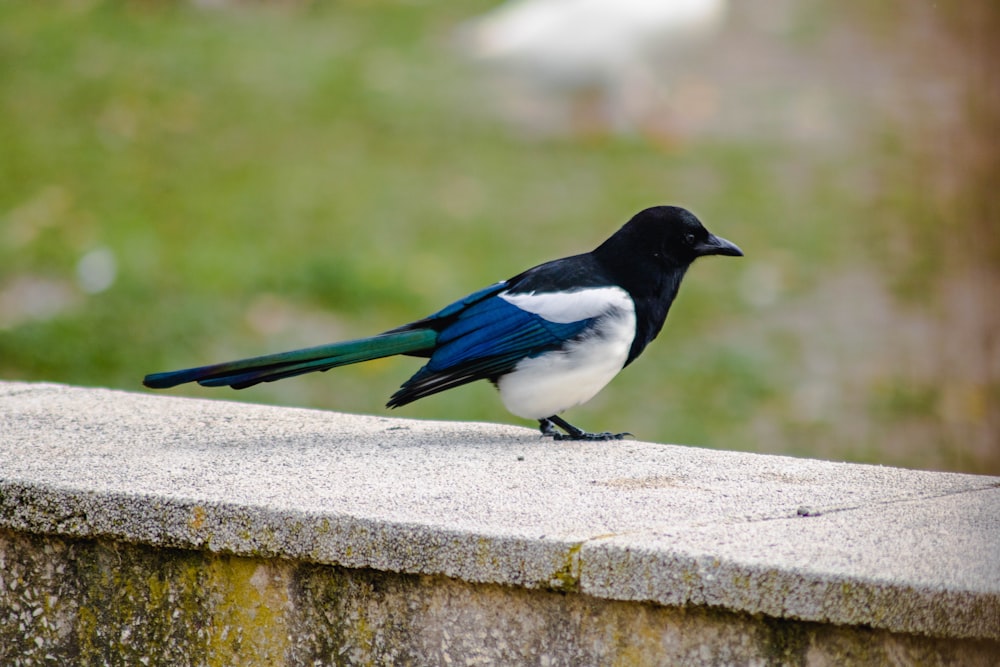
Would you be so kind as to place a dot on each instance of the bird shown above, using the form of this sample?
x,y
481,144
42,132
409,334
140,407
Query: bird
x,y
606,54
549,338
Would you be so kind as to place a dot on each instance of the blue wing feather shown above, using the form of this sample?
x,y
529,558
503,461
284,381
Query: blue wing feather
x,y
497,328
464,303
486,339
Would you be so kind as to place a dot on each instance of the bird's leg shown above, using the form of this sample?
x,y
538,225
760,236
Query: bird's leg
x,y
547,428
549,424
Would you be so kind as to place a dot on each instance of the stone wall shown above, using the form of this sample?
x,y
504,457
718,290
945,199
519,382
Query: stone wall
x,y
147,530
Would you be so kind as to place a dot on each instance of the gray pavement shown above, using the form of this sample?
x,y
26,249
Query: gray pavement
x,y
903,550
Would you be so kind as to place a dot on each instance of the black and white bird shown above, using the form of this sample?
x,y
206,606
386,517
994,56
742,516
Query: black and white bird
x,y
549,338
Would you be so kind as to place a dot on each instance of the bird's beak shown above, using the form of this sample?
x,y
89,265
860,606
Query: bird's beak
x,y
716,245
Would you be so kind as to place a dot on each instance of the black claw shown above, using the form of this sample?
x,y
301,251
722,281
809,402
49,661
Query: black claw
x,y
548,429
590,436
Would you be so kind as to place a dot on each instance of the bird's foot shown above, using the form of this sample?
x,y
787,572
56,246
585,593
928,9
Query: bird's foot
x,y
548,429
585,435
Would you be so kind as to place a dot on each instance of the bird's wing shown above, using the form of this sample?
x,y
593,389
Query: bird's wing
x,y
488,337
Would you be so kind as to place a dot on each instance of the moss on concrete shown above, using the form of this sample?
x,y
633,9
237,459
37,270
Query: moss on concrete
x,y
101,602
567,577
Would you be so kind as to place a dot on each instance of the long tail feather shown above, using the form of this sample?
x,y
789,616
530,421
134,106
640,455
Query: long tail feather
x,y
248,372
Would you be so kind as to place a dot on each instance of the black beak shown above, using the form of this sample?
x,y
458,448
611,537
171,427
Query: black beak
x,y
716,245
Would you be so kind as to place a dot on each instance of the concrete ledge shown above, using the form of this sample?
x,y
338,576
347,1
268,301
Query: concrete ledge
x,y
695,531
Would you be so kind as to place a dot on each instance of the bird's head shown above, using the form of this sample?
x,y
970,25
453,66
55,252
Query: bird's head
x,y
669,235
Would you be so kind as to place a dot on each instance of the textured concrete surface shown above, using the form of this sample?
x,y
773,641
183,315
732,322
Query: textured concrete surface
x,y
105,602
890,549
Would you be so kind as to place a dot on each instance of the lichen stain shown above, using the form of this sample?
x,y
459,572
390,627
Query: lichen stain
x,y
567,578
197,519
249,614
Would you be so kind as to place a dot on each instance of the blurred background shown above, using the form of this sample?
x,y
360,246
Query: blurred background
x,y
192,182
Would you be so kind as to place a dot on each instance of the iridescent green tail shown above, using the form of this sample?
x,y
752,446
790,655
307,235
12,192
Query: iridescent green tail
x,y
248,372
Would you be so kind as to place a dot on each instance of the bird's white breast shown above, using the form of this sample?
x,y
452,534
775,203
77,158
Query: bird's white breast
x,y
552,382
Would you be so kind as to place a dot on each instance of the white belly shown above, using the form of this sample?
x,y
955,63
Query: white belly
x,y
551,383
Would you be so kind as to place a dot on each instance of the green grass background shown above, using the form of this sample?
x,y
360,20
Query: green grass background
x,y
271,177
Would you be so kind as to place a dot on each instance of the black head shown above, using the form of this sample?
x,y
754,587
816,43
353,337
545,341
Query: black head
x,y
669,235
648,257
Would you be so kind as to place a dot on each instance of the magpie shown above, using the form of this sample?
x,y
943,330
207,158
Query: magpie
x,y
549,338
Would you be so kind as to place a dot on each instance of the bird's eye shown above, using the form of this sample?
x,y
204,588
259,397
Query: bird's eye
x,y
689,238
